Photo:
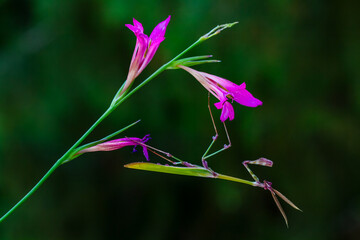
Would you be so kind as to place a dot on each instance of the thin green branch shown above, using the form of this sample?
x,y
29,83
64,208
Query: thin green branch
x,y
57,164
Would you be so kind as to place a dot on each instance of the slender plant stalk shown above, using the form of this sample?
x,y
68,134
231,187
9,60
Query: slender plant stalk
x,y
112,107
58,163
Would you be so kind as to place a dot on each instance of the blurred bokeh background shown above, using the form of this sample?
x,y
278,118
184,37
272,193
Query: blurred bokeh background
x,y
61,62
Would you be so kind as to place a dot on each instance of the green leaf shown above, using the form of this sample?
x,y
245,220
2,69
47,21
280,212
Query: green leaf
x,y
188,171
192,61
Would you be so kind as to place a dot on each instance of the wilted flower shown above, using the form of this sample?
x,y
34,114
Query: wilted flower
x,y
145,48
119,143
225,90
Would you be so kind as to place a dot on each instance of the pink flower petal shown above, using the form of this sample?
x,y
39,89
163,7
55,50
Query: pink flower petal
x,y
227,112
146,154
131,27
159,30
244,97
138,25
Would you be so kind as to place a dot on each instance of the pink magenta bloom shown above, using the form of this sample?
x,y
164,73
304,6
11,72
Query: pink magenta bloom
x,y
145,48
119,143
225,90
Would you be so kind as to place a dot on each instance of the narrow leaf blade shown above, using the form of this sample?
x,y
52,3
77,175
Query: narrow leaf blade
x,y
188,171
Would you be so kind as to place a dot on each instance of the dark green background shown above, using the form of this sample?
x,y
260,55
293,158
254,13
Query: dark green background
x,y
62,61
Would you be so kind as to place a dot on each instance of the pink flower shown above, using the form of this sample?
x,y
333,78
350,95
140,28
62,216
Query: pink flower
x,y
225,90
119,143
145,48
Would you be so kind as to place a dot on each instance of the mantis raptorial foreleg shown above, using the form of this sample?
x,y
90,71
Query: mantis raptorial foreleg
x,y
260,161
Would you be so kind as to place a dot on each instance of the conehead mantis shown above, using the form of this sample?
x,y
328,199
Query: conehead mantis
x,y
181,167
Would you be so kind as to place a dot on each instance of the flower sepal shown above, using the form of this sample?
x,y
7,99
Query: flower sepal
x,y
191,61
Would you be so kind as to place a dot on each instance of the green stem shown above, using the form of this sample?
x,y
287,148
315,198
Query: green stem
x,y
52,169
57,164
105,114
